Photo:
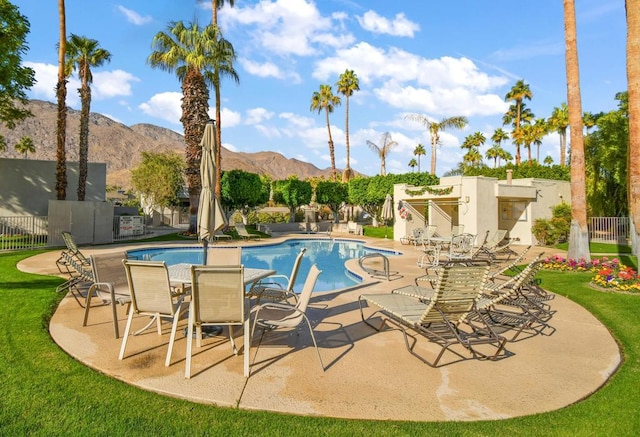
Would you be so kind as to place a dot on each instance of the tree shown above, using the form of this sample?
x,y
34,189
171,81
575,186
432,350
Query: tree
x,y
242,191
579,233
540,129
369,193
192,54
386,144
559,121
517,94
25,145
347,85
457,122
82,54
588,120
633,156
332,194
325,100
292,192
499,135
218,4
548,160
493,153
472,143
419,151
413,164
159,178
14,78
61,97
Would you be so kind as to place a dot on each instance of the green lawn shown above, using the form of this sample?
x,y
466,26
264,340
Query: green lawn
x,y
45,392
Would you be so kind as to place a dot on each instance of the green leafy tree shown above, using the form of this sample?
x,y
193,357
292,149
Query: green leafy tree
x,y
242,191
369,194
25,145
193,54
14,77
324,100
382,150
418,152
292,192
435,127
413,164
82,54
159,178
333,195
548,160
347,85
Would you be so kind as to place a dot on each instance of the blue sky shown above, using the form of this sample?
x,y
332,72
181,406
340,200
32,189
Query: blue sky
x,y
435,58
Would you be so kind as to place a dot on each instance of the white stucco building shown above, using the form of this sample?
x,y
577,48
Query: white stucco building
x,y
480,204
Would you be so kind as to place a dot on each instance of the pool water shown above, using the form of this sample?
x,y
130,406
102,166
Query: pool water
x,y
329,254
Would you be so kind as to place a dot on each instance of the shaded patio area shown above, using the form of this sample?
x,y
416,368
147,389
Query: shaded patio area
x,y
369,375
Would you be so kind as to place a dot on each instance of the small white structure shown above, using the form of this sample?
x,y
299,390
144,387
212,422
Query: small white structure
x,y
478,203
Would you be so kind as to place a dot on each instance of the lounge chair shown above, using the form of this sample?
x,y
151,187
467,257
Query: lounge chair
x,y
152,295
221,236
272,315
244,234
441,317
272,286
354,228
110,285
71,257
217,298
80,278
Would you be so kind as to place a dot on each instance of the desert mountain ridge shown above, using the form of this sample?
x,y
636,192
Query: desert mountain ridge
x,y
121,146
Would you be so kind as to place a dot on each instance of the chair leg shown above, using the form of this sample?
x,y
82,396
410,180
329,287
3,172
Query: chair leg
x,y
87,304
174,328
233,343
126,335
187,369
313,337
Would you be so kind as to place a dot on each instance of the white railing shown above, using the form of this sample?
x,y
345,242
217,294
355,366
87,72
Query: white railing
x,y
28,232
609,229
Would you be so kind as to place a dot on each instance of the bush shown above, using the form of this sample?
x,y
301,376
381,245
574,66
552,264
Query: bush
x,y
556,230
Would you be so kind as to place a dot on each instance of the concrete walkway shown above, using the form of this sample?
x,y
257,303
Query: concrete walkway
x,y
368,375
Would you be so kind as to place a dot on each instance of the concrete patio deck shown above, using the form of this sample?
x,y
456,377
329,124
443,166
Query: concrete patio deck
x,y
368,375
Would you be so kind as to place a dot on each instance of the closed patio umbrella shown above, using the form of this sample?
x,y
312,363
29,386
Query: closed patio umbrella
x,y
211,217
387,209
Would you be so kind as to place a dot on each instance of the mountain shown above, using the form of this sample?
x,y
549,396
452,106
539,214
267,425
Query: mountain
x,y
121,146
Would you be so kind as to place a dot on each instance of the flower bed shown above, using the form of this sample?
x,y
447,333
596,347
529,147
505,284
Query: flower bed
x,y
609,274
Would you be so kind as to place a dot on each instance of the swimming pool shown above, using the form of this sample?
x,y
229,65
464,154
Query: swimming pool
x,y
329,254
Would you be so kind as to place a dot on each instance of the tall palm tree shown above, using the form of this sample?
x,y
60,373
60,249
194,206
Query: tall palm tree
x,y
517,94
589,120
633,157
499,135
493,153
541,128
61,95
419,151
435,127
559,121
25,145
578,234
413,164
215,5
386,144
325,100
82,54
192,53
347,85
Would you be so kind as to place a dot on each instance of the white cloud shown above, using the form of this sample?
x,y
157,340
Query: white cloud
x,y
532,50
229,118
133,17
399,26
45,86
165,106
258,115
107,84
268,69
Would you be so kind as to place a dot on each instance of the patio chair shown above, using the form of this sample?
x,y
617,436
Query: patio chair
x,y
224,256
217,298
272,287
513,266
72,248
441,317
244,234
272,315
152,295
110,285
80,278
354,228
462,247
221,236
456,230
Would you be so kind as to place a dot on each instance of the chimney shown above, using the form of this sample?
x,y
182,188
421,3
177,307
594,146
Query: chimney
x,y
509,177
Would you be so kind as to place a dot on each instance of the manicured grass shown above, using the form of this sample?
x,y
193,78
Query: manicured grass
x,y
601,248
379,232
45,392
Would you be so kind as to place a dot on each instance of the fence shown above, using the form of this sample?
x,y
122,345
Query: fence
x,y
609,229
23,232
31,232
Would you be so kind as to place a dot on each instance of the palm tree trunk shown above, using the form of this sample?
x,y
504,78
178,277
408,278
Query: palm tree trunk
x,y
61,95
331,148
83,152
633,79
579,234
433,155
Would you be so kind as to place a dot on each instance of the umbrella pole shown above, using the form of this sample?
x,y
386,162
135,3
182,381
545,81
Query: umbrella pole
x,y
205,245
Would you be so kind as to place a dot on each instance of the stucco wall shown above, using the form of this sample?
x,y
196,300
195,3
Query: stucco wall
x,y
27,185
